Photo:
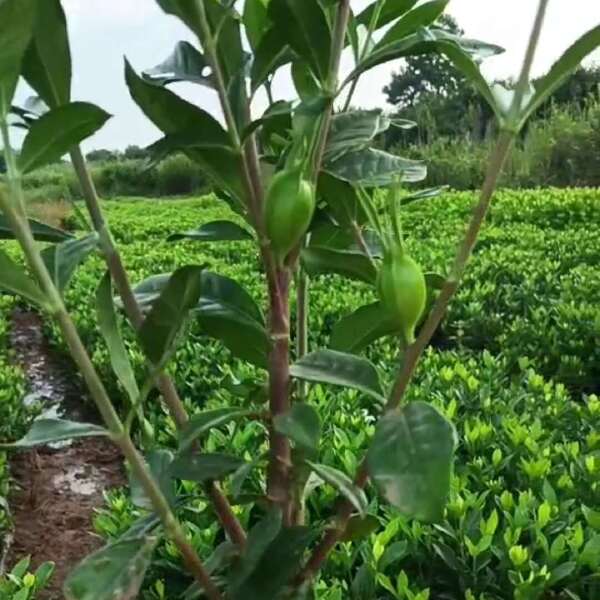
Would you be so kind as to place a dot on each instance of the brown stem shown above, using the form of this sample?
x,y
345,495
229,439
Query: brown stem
x,y
278,481
135,316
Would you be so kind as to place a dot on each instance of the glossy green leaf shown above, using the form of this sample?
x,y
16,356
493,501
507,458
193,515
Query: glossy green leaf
x,y
350,263
343,484
423,15
356,331
185,63
307,31
17,18
301,424
339,368
215,231
159,463
47,63
410,460
200,424
271,53
194,131
204,467
391,10
228,313
562,68
52,135
376,168
354,130
170,312
256,20
14,280
115,571
109,328
425,41
46,431
63,259
41,232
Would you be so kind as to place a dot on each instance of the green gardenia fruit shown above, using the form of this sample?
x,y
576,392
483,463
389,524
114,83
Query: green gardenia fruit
x,y
402,291
289,210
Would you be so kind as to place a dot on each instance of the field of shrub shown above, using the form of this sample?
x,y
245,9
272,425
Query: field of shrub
x,y
516,367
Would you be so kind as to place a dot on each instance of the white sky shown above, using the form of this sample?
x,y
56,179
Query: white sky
x,y
104,31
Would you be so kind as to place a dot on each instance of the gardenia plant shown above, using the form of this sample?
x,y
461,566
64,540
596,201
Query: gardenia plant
x,y
315,197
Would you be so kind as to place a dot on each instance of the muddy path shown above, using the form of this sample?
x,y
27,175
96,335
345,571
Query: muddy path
x,y
56,489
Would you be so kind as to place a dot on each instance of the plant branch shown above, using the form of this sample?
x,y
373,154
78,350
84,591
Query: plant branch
x,y
14,209
135,316
414,352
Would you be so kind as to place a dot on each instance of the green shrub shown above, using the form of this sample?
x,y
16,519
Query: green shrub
x,y
522,519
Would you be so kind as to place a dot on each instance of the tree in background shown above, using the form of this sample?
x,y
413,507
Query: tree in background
x,y
428,89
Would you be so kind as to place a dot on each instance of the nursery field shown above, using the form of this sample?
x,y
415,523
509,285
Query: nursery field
x,y
515,366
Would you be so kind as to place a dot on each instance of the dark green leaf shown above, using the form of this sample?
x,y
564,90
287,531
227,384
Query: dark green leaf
x,y
204,467
41,232
352,264
256,20
305,83
275,567
63,259
271,53
354,130
228,313
276,118
47,63
359,528
421,16
17,19
200,135
410,460
376,168
159,463
46,431
364,586
326,234
14,280
307,30
423,194
260,537
391,10
343,484
115,571
147,292
338,368
201,424
215,231
184,64
559,573
301,424
361,328
52,135
240,476
562,68
109,328
342,199
435,281
393,553
169,313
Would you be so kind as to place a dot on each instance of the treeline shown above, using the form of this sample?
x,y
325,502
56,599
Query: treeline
x,y
455,127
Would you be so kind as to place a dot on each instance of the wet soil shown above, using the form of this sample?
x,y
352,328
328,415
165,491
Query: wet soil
x,y
56,489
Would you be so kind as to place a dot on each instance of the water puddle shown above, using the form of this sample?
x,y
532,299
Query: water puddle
x,y
57,487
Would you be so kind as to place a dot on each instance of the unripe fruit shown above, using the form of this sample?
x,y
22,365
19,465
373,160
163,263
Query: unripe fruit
x,y
289,210
402,291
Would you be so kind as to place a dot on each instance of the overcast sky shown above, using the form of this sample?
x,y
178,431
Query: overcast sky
x,y
104,31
